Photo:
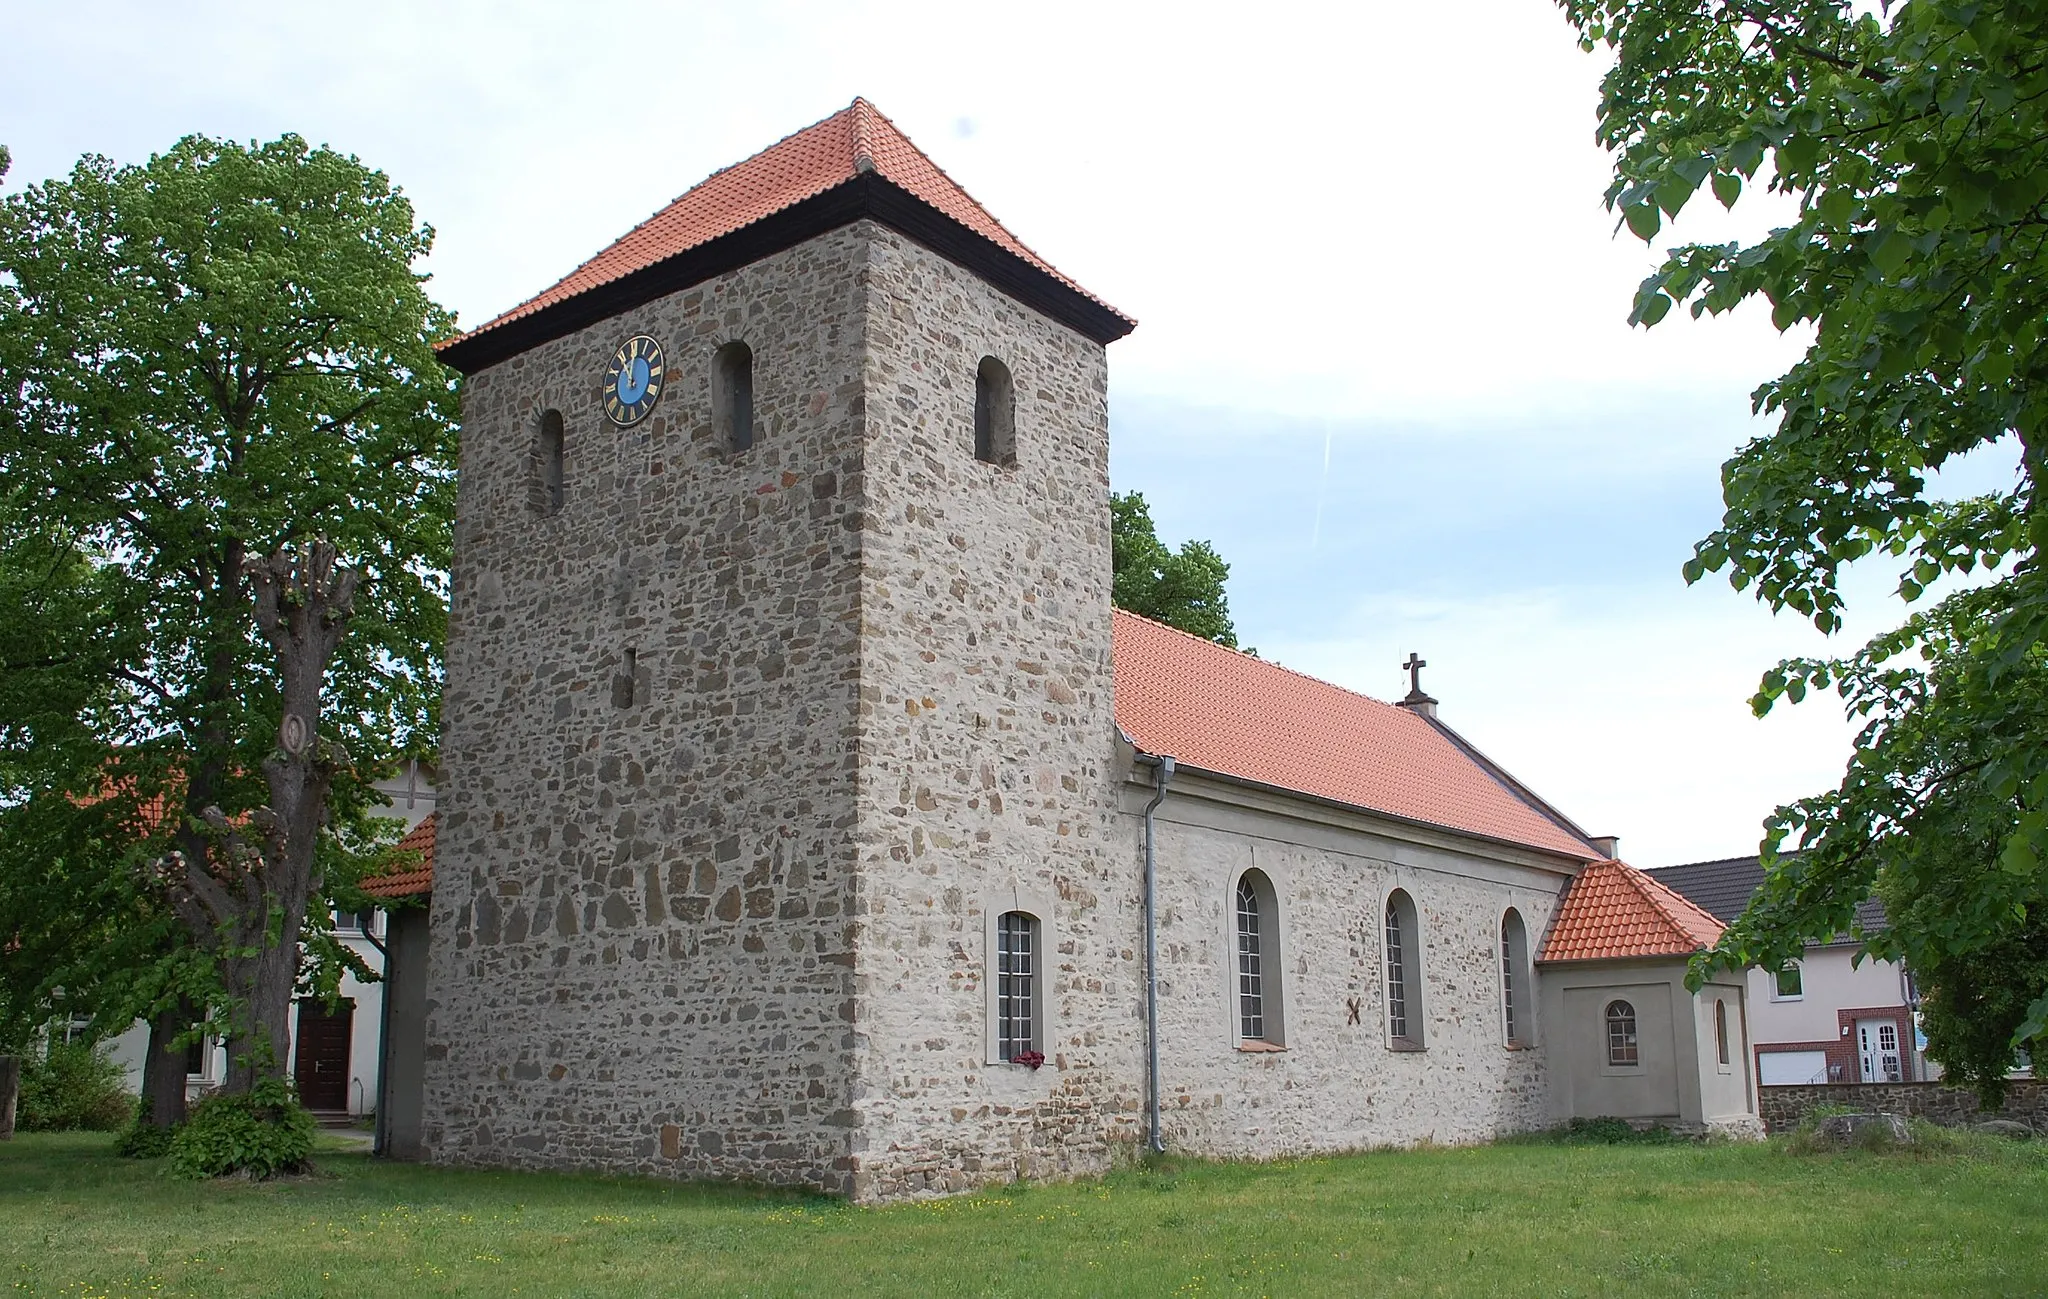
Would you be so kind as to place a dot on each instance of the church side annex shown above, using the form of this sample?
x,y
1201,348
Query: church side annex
x,y
797,767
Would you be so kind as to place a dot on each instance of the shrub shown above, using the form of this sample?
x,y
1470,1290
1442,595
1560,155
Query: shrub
x,y
72,1086
140,1140
261,1134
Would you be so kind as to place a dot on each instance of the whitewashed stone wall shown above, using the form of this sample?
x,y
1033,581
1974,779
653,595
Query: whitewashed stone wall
x,y
986,743
642,955
1338,1085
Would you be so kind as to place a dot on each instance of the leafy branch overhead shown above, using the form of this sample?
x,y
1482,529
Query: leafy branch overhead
x,y
1914,141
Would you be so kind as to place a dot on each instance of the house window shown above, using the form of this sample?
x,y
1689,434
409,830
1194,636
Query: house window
x,y
1621,1035
732,395
1790,984
995,414
1251,982
1404,973
1016,984
550,454
1257,912
1721,1030
1515,986
195,1057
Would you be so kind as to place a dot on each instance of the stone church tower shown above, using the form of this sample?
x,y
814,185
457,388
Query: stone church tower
x,y
778,668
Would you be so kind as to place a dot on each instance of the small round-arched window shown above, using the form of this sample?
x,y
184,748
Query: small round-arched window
x,y
1621,1035
995,414
550,456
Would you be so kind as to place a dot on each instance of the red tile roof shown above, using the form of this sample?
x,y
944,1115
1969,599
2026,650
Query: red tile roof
x,y
412,879
854,141
1612,911
1223,711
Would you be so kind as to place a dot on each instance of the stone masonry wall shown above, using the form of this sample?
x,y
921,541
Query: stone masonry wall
x,y
2026,1101
1338,1085
986,744
641,955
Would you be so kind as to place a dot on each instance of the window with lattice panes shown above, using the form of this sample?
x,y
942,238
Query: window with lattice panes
x,y
1017,960
1622,1050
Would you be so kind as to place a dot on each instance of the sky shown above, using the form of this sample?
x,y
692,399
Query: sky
x,y
1382,360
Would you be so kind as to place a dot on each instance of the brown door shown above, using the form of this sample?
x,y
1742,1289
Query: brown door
x,y
321,1064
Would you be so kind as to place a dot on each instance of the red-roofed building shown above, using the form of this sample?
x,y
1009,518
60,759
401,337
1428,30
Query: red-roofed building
x,y
798,767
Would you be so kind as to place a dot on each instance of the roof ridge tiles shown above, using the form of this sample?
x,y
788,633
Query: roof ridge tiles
x,y
1267,663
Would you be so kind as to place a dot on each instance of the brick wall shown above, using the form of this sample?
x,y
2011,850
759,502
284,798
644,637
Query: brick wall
x,y
2026,1101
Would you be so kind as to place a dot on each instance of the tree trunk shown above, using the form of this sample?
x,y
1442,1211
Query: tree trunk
x,y
10,1088
163,1069
248,890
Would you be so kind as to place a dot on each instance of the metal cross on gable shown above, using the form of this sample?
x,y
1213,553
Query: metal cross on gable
x,y
1415,664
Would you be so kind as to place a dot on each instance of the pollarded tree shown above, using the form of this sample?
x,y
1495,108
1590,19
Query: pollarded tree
x,y
219,385
1914,139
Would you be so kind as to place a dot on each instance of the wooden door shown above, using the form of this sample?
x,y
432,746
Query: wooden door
x,y
320,1066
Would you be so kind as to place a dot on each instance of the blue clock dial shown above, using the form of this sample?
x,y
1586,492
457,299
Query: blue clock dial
x,y
633,381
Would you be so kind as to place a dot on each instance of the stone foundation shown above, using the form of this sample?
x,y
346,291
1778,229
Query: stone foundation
x,y
2026,1101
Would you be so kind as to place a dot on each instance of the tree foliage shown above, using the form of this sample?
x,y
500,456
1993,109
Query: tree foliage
x,y
1181,588
219,411
1914,140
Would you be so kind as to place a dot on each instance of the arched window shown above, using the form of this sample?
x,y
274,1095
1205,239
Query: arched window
x,y
995,414
550,454
1721,1029
1517,992
1258,959
1017,999
1621,1035
1404,973
732,395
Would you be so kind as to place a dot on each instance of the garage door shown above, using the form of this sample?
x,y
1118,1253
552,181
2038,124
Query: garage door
x,y
1785,1068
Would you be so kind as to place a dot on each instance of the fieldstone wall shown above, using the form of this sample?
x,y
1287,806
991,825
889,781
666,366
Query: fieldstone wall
x,y
642,958
986,743
1339,1084
2026,1101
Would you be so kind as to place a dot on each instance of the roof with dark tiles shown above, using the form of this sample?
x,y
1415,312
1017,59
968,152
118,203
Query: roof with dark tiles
x,y
1725,886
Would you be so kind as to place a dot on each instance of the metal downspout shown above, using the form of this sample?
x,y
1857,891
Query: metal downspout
x,y
1156,1141
381,1138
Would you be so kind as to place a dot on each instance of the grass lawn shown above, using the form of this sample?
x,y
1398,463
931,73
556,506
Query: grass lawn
x,y
1502,1220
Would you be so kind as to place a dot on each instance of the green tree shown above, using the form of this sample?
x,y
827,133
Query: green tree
x,y
220,391
1182,588
1914,141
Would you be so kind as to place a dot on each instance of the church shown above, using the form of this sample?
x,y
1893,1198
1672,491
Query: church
x,y
810,817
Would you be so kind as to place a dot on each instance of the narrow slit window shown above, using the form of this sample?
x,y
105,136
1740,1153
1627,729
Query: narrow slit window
x,y
552,452
1016,985
995,410
1251,982
1621,1035
1721,1029
624,685
732,395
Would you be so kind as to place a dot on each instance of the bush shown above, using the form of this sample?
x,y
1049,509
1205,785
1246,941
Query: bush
x,y
1610,1131
140,1140
70,1087
262,1134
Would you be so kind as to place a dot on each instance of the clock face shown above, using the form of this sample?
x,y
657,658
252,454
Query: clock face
x,y
632,383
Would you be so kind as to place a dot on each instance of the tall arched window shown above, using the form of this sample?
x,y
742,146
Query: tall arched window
x,y
995,414
1258,959
732,395
1621,1035
1517,990
1721,1029
1017,998
550,454
1404,973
